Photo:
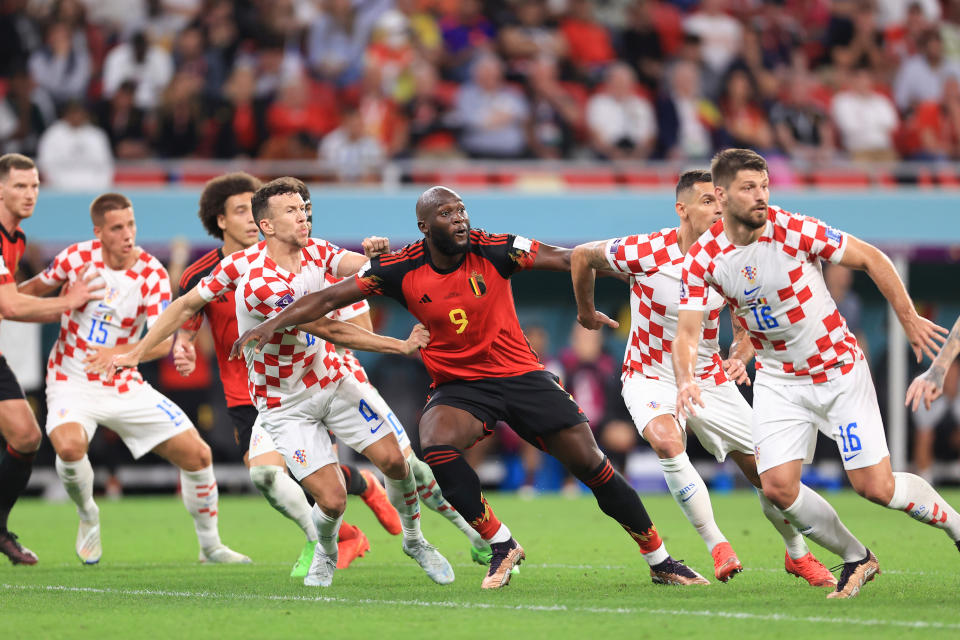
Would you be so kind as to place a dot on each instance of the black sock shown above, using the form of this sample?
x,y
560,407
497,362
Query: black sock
x,y
461,487
618,500
356,483
15,468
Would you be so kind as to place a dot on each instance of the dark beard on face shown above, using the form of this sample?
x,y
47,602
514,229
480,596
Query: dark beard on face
x,y
747,220
447,246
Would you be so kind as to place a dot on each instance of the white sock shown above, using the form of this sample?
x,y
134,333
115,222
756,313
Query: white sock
x,y
403,496
913,494
656,557
327,530
502,535
431,496
691,494
284,495
796,545
77,478
815,518
200,496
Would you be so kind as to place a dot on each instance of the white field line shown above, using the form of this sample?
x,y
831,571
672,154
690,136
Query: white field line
x,y
705,613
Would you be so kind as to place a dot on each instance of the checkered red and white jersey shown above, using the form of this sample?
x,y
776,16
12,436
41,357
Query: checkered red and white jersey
x,y
655,265
293,363
776,289
132,299
350,361
227,274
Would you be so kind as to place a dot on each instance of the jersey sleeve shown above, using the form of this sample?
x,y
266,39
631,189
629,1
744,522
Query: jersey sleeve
x,y
346,313
694,281
224,277
158,294
265,296
507,252
326,254
633,254
5,275
805,235
69,260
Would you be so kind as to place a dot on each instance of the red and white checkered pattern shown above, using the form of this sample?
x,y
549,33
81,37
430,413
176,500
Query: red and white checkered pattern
x,y
132,299
775,286
350,361
655,262
293,361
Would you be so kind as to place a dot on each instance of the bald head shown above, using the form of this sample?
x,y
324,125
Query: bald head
x,y
442,219
432,198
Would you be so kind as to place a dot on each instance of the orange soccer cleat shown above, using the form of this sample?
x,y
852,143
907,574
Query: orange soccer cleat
x,y
352,543
375,497
726,564
810,569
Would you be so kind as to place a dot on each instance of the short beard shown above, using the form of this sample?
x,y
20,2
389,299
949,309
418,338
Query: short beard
x,y
747,221
447,247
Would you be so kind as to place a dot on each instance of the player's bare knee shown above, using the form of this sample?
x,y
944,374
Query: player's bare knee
x,y
394,466
71,450
332,503
877,491
199,457
26,440
780,495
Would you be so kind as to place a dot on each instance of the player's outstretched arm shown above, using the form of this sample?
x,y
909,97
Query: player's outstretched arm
x,y
585,260
102,360
924,336
307,309
352,261
352,336
551,258
689,326
741,353
24,304
179,311
929,385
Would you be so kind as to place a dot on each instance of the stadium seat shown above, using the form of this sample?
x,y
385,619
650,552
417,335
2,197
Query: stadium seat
x,y
590,179
140,177
649,178
840,178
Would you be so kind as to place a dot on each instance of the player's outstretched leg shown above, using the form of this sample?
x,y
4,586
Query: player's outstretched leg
x,y
923,503
365,484
17,451
432,496
286,496
77,478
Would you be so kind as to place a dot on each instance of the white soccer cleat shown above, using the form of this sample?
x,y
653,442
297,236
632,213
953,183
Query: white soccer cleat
x,y
321,569
222,554
430,560
88,545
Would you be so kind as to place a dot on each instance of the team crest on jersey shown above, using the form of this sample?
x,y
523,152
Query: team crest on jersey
x,y
300,456
256,440
750,273
63,412
477,285
111,295
833,234
283,302
653,404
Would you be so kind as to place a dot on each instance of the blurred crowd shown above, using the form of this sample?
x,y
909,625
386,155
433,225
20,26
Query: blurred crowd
x,y
355,82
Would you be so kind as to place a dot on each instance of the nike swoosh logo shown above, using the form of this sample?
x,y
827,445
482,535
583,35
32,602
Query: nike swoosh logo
x,y
377,429
688,497
849,458
749,292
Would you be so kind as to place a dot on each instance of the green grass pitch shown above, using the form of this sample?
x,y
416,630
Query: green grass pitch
x,y
583,578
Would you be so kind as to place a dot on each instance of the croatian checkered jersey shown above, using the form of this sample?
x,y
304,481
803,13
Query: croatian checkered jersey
x,y
350,361
132,299
655,264
293,363
776,289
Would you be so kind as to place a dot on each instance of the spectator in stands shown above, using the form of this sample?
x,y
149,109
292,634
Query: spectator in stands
x,y
145,64
554,112
901,40
492,116
933,130
921,77
424,31
239,119
25,112
800,121
467,35
589,46
382,118
944,412
125,124
179,118
687,121
866,119
299,118
720,34
349,152
744,120
18,37
392,53
853,38
641,46
190,56
62,66
527,37
891,13
74,154
950,30
428,133
621,123
223,40
274,65
338,38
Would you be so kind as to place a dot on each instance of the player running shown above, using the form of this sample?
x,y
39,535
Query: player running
x,y
654,262
306,448
137,288
811,373
226,215
19,432
456,282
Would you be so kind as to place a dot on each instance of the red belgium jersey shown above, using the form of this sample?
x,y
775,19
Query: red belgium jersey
x,y
222,314
12,246
469,310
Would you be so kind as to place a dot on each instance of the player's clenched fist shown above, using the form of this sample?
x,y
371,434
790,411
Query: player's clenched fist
x,y
375,245
419,338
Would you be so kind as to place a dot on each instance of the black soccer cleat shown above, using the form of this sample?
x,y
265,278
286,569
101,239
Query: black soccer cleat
x,y
855,575
17,553
672,571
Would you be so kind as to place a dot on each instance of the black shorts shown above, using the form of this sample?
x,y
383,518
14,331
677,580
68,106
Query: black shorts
x,y
533,404
243,417
9,387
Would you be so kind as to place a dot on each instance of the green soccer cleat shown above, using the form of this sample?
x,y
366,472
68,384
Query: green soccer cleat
x,y
302,565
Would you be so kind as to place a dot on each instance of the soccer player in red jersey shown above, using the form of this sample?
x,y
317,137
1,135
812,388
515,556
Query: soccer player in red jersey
x,y
19,432
456,282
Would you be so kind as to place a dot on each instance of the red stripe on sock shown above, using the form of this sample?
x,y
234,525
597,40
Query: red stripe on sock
x,y
19,455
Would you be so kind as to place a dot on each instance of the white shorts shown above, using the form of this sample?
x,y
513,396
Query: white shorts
x,y
142,417
350,410
260,441
722,426
787,417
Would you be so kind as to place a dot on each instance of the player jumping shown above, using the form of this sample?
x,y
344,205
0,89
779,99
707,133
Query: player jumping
x,y
654,262
811,373
456,282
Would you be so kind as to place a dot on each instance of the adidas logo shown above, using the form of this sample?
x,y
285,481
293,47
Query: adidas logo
x,y
425,299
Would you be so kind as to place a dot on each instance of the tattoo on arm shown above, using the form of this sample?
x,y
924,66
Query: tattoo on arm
x,y
948,352
596,257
